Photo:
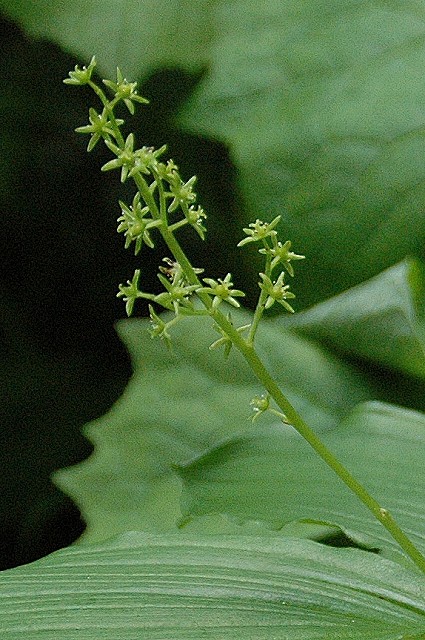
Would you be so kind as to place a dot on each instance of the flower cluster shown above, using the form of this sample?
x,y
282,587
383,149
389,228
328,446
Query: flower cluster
x,y
159,328
146,160
81,76
135,225
276,254
194,216
276,291
125,157
181,192
261,404
130,292
100,127
163,194
182,196
281,254
259,230
159,183
177,292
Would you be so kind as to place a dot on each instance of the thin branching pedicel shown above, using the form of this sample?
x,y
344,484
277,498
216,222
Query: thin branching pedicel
x,y
276,254
164,203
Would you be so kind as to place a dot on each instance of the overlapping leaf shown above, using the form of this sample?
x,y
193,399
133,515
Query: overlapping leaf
x,y
180,587
271,474
379,320
177,405
328,129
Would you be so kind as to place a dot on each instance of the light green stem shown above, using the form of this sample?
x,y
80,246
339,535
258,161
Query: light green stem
x,y
247,350
383,515
257,366
178,225
259,309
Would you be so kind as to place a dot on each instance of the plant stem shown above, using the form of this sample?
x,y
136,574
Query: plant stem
x,y
383,515
259,309
247,350
178,225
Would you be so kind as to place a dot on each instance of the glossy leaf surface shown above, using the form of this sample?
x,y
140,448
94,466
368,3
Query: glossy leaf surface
x,y
177,587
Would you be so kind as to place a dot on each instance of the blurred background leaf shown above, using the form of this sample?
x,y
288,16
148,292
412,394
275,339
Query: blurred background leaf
x,y
137,35
380,321
62,363
181,403
323,106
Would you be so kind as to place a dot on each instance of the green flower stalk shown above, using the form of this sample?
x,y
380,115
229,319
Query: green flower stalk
x,y
163,204
225,340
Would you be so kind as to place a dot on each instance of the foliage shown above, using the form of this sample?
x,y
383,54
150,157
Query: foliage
x,y
185,424
322,103
136,35
175,587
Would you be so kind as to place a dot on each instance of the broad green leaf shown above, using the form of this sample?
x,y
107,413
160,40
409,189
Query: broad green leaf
x,y
181,587
322,104
137,35
379,320
180,403
271,474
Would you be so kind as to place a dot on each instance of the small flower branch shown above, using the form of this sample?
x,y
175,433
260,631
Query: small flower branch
x,y
162,193
261,304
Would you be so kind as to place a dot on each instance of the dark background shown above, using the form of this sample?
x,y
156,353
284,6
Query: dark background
x,y
62,260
